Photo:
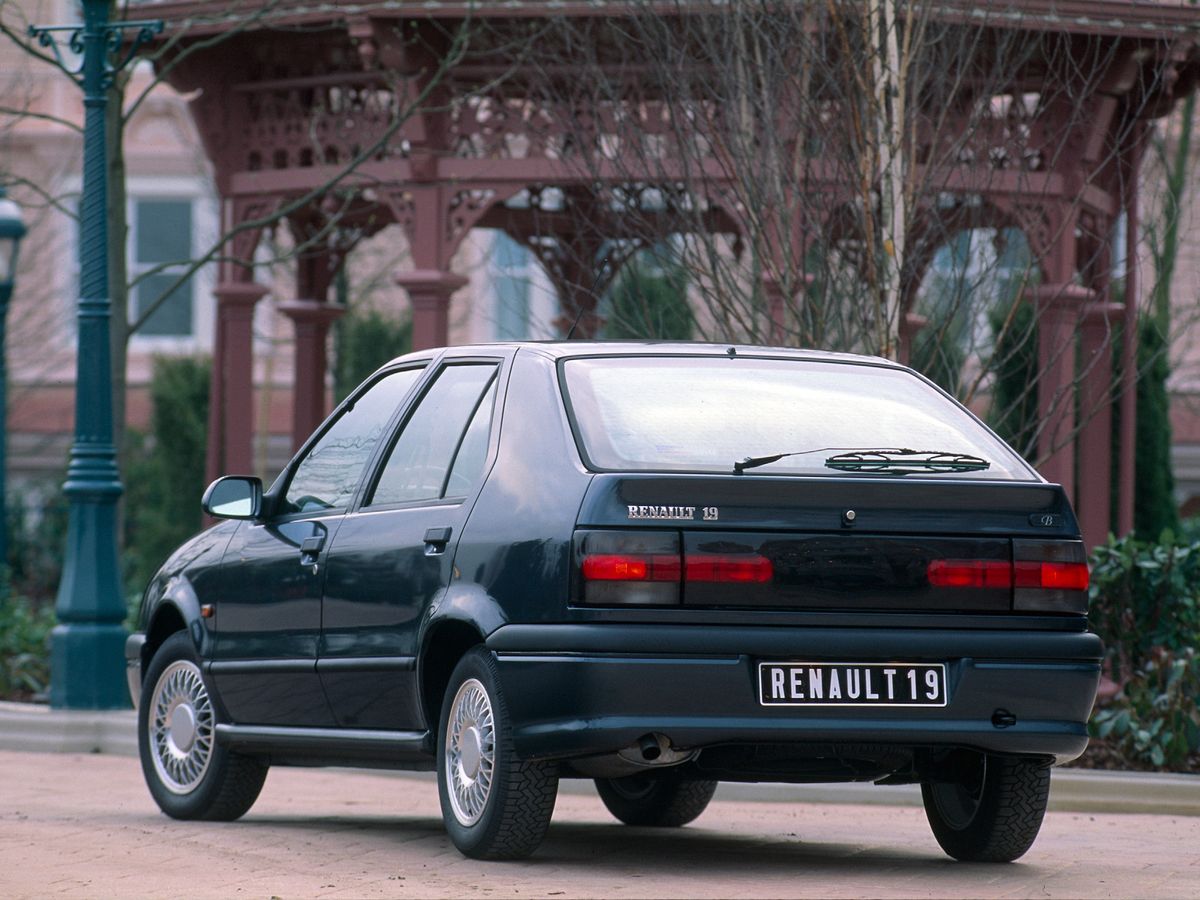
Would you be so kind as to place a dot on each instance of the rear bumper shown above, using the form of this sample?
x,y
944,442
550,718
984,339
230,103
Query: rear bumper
x,y
583,690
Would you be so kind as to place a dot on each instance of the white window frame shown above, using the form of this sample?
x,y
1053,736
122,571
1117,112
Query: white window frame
x,y
205,225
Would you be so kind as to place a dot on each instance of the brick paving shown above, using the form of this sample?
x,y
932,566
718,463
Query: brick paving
x,y
76,825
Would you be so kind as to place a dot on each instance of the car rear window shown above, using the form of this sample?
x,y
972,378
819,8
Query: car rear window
x,y
702,414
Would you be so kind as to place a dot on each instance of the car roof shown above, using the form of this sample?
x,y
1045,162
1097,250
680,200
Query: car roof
x,y
565,349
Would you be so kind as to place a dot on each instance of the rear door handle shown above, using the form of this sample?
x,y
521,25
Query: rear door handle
x,y
436,540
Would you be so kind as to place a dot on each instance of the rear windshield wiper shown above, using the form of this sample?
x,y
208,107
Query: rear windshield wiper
x,y
893,460
902,461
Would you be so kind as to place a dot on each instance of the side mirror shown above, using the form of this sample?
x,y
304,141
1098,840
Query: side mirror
x,y
234,497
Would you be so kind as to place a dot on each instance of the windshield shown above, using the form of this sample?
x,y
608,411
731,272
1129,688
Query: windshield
x,y
703,414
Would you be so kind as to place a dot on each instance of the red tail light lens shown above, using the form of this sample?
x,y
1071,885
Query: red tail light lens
x,y
984,573
649,568
1045,576
629,568
1062,576
728,568
970,573
626,567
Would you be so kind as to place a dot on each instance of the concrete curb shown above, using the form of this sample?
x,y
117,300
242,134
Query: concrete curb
x,y
33,727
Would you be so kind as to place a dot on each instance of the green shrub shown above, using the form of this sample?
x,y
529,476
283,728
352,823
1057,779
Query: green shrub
x,y
649,300
1154,502
1157,718
1143,597
164,471
24,645
1145,605
939,358
363,341
1014,410
36,545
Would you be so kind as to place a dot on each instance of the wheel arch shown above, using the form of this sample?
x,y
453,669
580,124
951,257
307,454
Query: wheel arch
x,y
462,618
446,642
177,609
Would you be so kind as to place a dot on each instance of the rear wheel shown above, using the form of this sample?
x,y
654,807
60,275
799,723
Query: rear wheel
x,y
189,774
659,799
992,811
495,805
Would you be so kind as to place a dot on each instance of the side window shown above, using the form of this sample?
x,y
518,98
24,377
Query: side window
x,y
472,452
329,474
437,436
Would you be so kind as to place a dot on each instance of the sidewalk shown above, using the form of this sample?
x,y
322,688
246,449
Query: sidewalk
x,y
37,728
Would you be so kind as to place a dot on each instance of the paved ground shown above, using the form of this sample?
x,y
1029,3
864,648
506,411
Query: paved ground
x,y
84,826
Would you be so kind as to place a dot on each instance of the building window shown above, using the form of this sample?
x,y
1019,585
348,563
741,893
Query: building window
x,y
161,246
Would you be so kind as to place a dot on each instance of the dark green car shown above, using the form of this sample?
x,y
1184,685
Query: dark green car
x,y
659,566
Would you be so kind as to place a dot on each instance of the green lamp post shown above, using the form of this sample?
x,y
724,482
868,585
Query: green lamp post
x,y
12,229
87,662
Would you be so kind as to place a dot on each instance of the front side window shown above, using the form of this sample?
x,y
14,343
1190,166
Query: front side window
x,y
329,473
443,447
703,414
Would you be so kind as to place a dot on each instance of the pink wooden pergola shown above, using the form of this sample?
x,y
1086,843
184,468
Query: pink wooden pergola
x,y
288,99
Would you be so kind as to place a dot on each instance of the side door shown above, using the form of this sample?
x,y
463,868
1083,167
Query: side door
x,y
268,619
393,555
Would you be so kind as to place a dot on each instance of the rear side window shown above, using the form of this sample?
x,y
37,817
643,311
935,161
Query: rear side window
x,y
702,414
442,448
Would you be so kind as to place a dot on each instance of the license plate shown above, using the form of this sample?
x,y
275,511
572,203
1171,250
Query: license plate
x,y
851,684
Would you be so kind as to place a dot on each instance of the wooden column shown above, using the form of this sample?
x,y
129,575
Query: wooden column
x,y
1094,503
310,405
231,407
1059,309
429,291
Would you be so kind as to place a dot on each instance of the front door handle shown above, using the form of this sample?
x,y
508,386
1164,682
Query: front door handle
x,y
310,549
436,540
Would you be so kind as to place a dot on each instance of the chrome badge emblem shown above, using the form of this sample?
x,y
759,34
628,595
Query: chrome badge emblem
x,y
676,513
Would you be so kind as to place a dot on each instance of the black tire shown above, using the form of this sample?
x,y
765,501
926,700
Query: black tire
x,y
495,805
189,774
659,799
993,813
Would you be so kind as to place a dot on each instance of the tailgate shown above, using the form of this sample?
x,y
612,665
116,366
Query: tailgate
x,y
846,543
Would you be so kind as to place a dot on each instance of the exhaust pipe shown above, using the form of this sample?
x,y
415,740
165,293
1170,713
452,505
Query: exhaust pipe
x,y
650,748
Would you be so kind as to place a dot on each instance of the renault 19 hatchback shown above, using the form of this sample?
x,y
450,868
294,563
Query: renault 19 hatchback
x,y
659,566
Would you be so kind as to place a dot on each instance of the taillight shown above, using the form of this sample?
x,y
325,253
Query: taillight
x,y
1051,576
970,573
1045,576
1066,576
650,568
630,567
731,568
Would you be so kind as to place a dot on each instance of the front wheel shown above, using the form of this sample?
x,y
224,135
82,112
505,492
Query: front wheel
x,y
189,774
993,811
657,799
495,805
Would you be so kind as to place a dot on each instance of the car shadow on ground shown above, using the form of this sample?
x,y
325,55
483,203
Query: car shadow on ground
x,y
696,852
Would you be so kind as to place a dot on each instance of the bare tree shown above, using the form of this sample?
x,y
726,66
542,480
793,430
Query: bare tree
x,y
857,176
132,89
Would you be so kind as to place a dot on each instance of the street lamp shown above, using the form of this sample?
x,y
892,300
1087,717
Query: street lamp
x,y
12,229
87,647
